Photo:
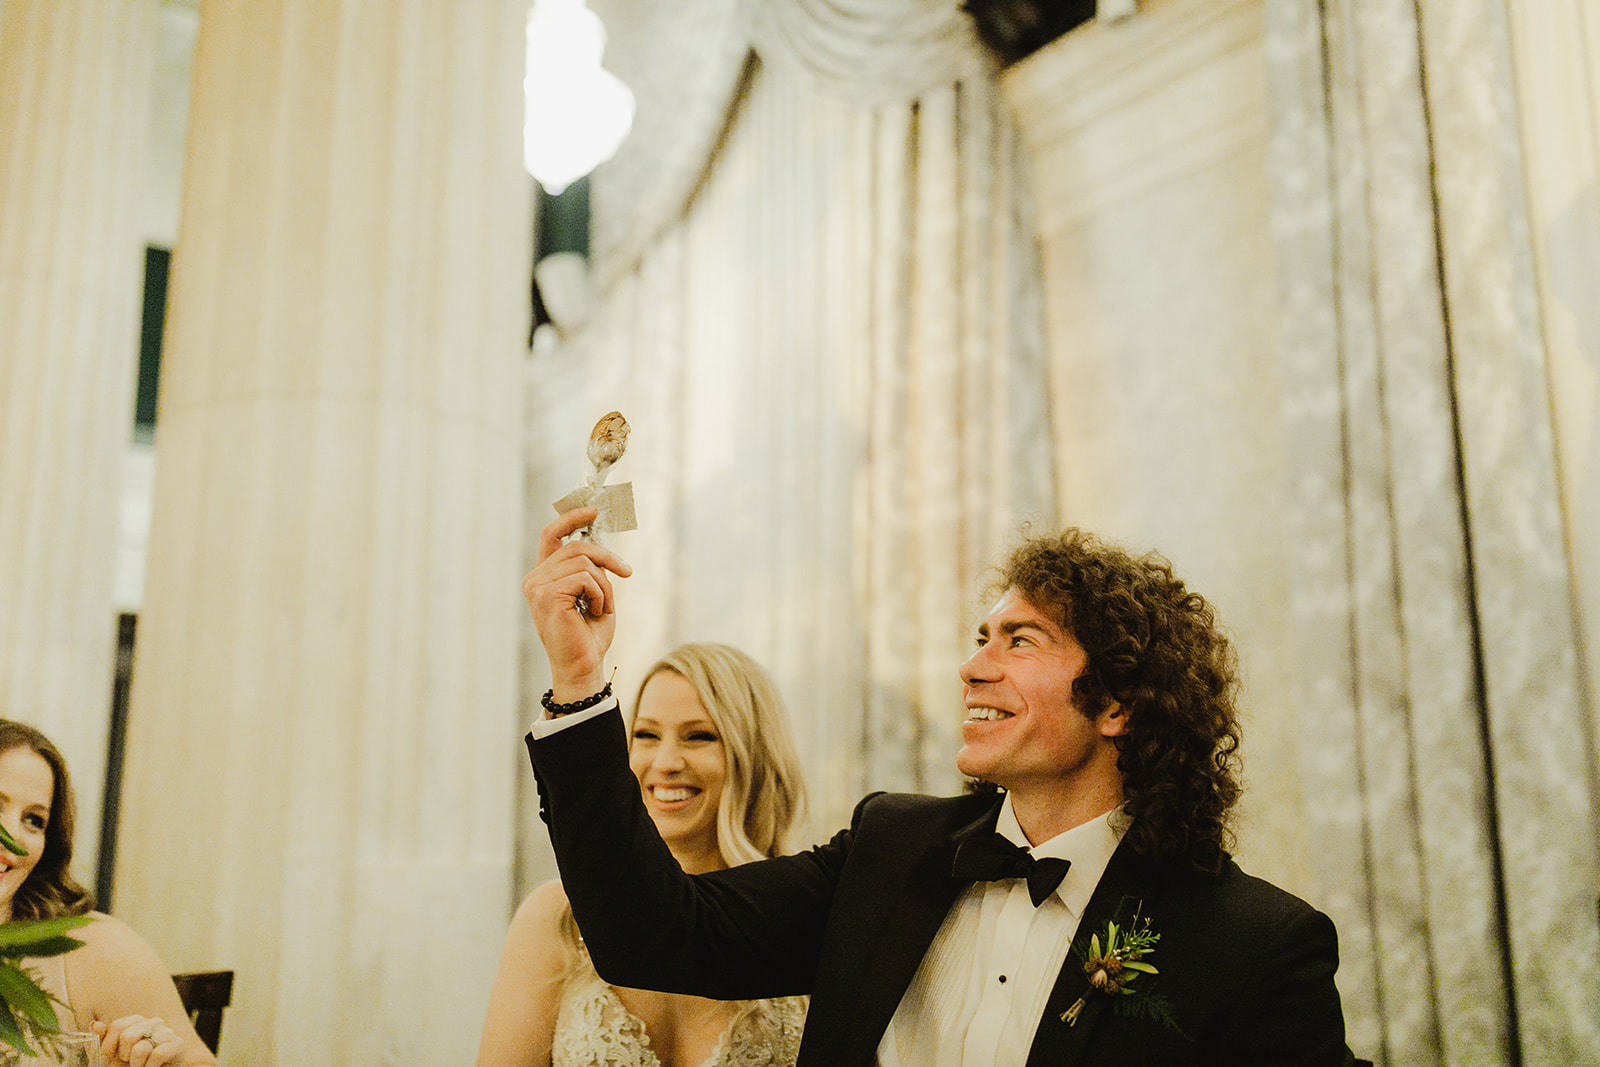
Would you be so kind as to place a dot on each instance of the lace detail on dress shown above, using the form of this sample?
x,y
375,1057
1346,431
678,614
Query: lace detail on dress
x,y
594,1029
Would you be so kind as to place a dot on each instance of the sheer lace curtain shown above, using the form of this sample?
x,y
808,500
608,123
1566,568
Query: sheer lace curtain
x,y
1449,761
830,357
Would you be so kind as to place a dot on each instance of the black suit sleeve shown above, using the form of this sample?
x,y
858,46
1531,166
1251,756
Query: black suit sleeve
x,y
750,932
1289,1011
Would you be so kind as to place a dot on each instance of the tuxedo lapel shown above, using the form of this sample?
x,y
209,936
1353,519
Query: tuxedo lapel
x,y
983,824
910,925
1127,883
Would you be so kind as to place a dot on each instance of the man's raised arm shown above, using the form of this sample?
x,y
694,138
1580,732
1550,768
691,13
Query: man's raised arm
x,y
736,934
573,605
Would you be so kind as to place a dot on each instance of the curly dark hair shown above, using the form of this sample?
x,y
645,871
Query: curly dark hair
x,y
50,889
1154,647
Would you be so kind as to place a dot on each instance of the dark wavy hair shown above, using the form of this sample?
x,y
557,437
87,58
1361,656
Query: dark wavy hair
x,y
1155,648
50,889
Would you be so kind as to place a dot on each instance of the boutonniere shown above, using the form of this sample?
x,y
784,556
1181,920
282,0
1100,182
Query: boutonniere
x,y
1115,964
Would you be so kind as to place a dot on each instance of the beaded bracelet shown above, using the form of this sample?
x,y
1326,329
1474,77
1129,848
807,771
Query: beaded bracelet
x,y
555,710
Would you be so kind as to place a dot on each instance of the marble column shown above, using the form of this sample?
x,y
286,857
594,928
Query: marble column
x,y
74,96
323,724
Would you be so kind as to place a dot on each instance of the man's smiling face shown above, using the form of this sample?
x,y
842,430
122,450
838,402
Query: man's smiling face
x,y
1023,730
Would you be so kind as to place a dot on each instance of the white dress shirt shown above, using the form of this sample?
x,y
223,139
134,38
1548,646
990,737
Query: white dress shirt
x,y
546,724
977,997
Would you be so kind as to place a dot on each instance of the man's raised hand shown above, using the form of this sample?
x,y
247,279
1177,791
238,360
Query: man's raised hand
x,y
574,608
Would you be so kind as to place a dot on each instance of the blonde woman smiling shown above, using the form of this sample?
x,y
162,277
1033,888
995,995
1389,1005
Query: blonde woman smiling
x,y
710,747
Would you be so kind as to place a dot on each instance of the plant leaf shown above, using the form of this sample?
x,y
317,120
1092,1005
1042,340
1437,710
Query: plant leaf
x,y
40,937
10,1032
1135,965
49,946
21,993
11,843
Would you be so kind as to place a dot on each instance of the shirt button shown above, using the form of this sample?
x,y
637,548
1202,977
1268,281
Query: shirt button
x,y
1002,978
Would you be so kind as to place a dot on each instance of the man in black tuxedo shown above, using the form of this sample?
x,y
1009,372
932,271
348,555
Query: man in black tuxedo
x,y
1086,912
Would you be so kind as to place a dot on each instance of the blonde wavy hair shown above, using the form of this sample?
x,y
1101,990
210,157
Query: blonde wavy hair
x,y
764,796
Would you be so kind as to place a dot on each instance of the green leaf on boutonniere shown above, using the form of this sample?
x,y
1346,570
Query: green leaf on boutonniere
x,y
1115,964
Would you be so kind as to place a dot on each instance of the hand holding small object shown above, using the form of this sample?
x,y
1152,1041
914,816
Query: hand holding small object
x,y
138,1041
573,605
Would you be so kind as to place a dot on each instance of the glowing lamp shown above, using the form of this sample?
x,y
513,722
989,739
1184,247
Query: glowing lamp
x,y
578,113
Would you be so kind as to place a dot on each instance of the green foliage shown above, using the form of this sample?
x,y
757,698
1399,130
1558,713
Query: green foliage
x,y
1114,965
28,1017
40,937
1148,1005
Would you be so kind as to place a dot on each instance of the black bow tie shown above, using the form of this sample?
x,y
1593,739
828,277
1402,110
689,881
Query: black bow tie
x,y
988,857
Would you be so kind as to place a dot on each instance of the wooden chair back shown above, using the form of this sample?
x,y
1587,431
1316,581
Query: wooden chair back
x,y
205,994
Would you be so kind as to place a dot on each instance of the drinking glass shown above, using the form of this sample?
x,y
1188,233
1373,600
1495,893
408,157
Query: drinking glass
x,y
68,1049
81,1050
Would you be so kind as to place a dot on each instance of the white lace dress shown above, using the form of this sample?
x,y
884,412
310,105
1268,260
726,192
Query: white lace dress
x,y
594,1029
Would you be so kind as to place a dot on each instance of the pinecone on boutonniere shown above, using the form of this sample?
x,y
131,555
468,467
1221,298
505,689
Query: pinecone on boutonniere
x,y
1118,966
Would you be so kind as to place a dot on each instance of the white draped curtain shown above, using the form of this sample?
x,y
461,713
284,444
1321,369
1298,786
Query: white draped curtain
x,y
831,359
820,306
1446,719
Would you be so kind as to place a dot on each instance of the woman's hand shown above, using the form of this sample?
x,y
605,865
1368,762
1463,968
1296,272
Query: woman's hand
x,y
569,594
139,1041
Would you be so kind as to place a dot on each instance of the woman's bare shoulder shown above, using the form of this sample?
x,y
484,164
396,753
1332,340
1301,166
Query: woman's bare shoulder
x,y
116,973
106,933
108,940
541,910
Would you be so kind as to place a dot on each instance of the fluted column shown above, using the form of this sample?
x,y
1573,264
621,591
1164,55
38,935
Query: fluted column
x,y
323,724
74,92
